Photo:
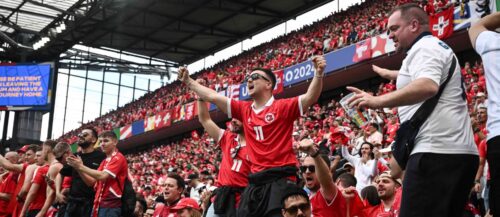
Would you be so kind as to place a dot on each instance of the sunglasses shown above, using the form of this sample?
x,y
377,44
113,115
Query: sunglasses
x,y
83,135
294,209
255,76
311,168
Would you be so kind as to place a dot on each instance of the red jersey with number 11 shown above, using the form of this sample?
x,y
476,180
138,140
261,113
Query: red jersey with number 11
x,y
268,131
233,171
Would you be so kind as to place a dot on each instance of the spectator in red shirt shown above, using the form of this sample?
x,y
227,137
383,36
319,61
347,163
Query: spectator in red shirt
x,y
326,198
61,185
172,192
110,177
26,171
8,186
187,207
235,166
268,126
37,192
389,192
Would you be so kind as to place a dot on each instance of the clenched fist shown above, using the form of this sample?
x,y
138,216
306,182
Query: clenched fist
x,y
183,74
319,64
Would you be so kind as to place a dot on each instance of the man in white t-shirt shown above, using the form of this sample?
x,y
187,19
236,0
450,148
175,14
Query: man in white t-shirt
x,y
375,137
486,42
445,158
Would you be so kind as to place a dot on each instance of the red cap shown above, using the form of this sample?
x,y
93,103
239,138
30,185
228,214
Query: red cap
x,y
339,135
23,149
186,203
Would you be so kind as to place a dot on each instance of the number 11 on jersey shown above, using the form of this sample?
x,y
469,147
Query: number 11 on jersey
x,y
259,135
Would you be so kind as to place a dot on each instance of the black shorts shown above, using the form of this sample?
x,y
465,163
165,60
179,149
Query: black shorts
x,y
493,157
262,197
437,184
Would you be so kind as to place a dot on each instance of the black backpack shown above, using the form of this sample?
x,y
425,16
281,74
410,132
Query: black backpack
x,y
129,198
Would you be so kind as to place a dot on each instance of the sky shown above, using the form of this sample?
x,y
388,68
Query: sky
x,y
75,95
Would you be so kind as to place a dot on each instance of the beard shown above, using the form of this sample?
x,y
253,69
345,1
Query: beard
x,y
84,144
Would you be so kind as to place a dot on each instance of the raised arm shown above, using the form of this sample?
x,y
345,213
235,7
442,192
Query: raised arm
x,y
417,91
328,188
204,117
10,166
345,153
316,85
386,73
490,22
203,92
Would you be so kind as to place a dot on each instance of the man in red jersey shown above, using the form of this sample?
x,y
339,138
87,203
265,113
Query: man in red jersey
x,y
268,127
326,198
50,159
38,189
173,187
389,192
25,171
234,167
8,186
110,177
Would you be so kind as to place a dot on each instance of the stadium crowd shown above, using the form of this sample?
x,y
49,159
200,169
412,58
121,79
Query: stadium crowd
x,y
333,32
177,179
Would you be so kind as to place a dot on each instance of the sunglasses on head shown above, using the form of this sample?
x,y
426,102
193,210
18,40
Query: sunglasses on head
x,y
293,210
255,76
311,168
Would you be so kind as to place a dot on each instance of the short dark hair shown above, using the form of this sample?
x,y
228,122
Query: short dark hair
x,y
293,190
108,134
180,181
347,180
411,11
370,194
142,201
50,143
269,73
34,148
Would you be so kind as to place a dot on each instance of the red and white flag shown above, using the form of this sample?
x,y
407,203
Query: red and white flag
x,y
279,81
441,24
233,91
190,111
125,132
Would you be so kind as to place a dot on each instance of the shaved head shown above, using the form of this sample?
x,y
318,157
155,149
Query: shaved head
x,y
12,156
412,11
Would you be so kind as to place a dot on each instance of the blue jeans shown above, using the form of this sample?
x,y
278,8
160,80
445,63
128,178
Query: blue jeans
x,y
109,212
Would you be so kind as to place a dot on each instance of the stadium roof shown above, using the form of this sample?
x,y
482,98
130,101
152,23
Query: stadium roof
x,y
175,31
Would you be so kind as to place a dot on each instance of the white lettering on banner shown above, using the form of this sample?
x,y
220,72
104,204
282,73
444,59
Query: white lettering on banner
x,y
244,91
299,72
